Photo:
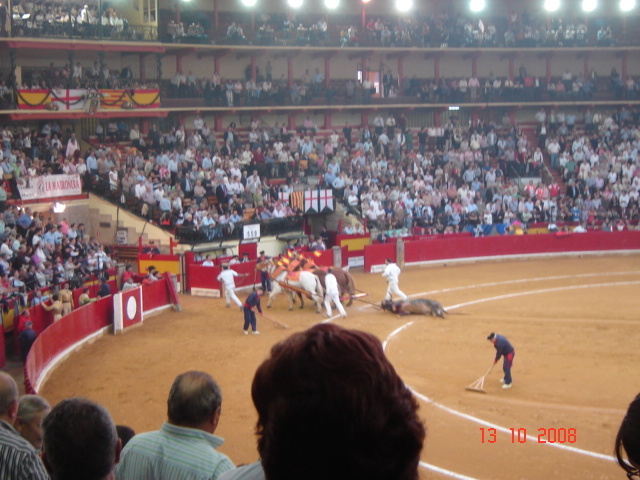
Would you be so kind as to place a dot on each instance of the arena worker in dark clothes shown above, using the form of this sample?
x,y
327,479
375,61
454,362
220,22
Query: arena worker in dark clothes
x,y
252,302
505,350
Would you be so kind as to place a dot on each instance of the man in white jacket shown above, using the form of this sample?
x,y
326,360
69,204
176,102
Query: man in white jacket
x,y
391,273
332,294
227,279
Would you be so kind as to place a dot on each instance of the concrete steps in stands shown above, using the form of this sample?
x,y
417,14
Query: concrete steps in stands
x,y
107,219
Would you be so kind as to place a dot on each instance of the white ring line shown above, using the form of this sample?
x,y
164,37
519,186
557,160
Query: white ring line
x,y
448,473
511,282
484,422
524,280
504,429
327,320
545,290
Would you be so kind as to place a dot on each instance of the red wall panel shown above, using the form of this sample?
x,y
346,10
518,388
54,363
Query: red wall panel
x,y
451,248
155,295
59,336
376,254
3,356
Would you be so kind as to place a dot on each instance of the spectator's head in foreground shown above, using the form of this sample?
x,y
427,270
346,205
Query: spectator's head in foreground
x,y
195,401
628,440
331,405
32,409
80,441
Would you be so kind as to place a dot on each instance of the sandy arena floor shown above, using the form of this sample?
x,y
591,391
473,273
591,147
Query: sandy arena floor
x,y
574,324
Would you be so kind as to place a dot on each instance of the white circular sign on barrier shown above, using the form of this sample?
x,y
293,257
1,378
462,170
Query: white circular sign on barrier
x,y
132,307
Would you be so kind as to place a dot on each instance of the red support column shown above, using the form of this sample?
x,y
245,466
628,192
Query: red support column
x,y
512,117
437,118
400,73
623,72
292,122
290,71
254,68
364,119
474,118
364,68
512,67
143,71
364,21
548,69
179,63
218,122
327,71
585,66
436,69
144,126
216,64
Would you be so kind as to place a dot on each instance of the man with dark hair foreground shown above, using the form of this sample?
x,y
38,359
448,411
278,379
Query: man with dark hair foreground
x,y
80,441
331,405
628,439
185,446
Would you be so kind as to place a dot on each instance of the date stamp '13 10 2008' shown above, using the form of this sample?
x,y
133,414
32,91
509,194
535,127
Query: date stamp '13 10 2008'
x,y
542,435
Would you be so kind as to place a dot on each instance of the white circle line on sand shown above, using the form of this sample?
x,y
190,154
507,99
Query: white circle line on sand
x,y
511,282
525,280
448,473
501,297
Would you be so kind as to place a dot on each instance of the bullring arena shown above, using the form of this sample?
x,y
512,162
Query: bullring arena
x,y
573,322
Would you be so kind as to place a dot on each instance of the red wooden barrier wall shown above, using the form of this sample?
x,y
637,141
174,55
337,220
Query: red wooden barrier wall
x,y
452,248
69,330
376,254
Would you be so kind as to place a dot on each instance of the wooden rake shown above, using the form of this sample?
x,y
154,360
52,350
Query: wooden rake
x,y
478,385
275,322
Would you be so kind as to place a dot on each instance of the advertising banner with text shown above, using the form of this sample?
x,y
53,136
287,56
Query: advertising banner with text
x,y
51,187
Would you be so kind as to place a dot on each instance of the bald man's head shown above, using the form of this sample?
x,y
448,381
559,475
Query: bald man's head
x,y
8,398
194,398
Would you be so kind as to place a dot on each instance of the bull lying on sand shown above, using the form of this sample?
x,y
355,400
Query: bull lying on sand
x,y
420,306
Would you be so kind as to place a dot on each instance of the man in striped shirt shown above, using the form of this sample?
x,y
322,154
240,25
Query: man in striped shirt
x,y
18,458
185,447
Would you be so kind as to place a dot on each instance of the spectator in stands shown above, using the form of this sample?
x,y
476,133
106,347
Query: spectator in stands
x,y
84,298
25,339
628,440
80,441
105,289
186,444
151,248
32,409
18,458
294,413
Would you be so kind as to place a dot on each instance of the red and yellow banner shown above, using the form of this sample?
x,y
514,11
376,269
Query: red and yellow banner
x,y
82,99
148,98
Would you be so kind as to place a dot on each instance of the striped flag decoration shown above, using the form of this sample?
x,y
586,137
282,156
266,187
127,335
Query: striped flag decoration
x,y
296,200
